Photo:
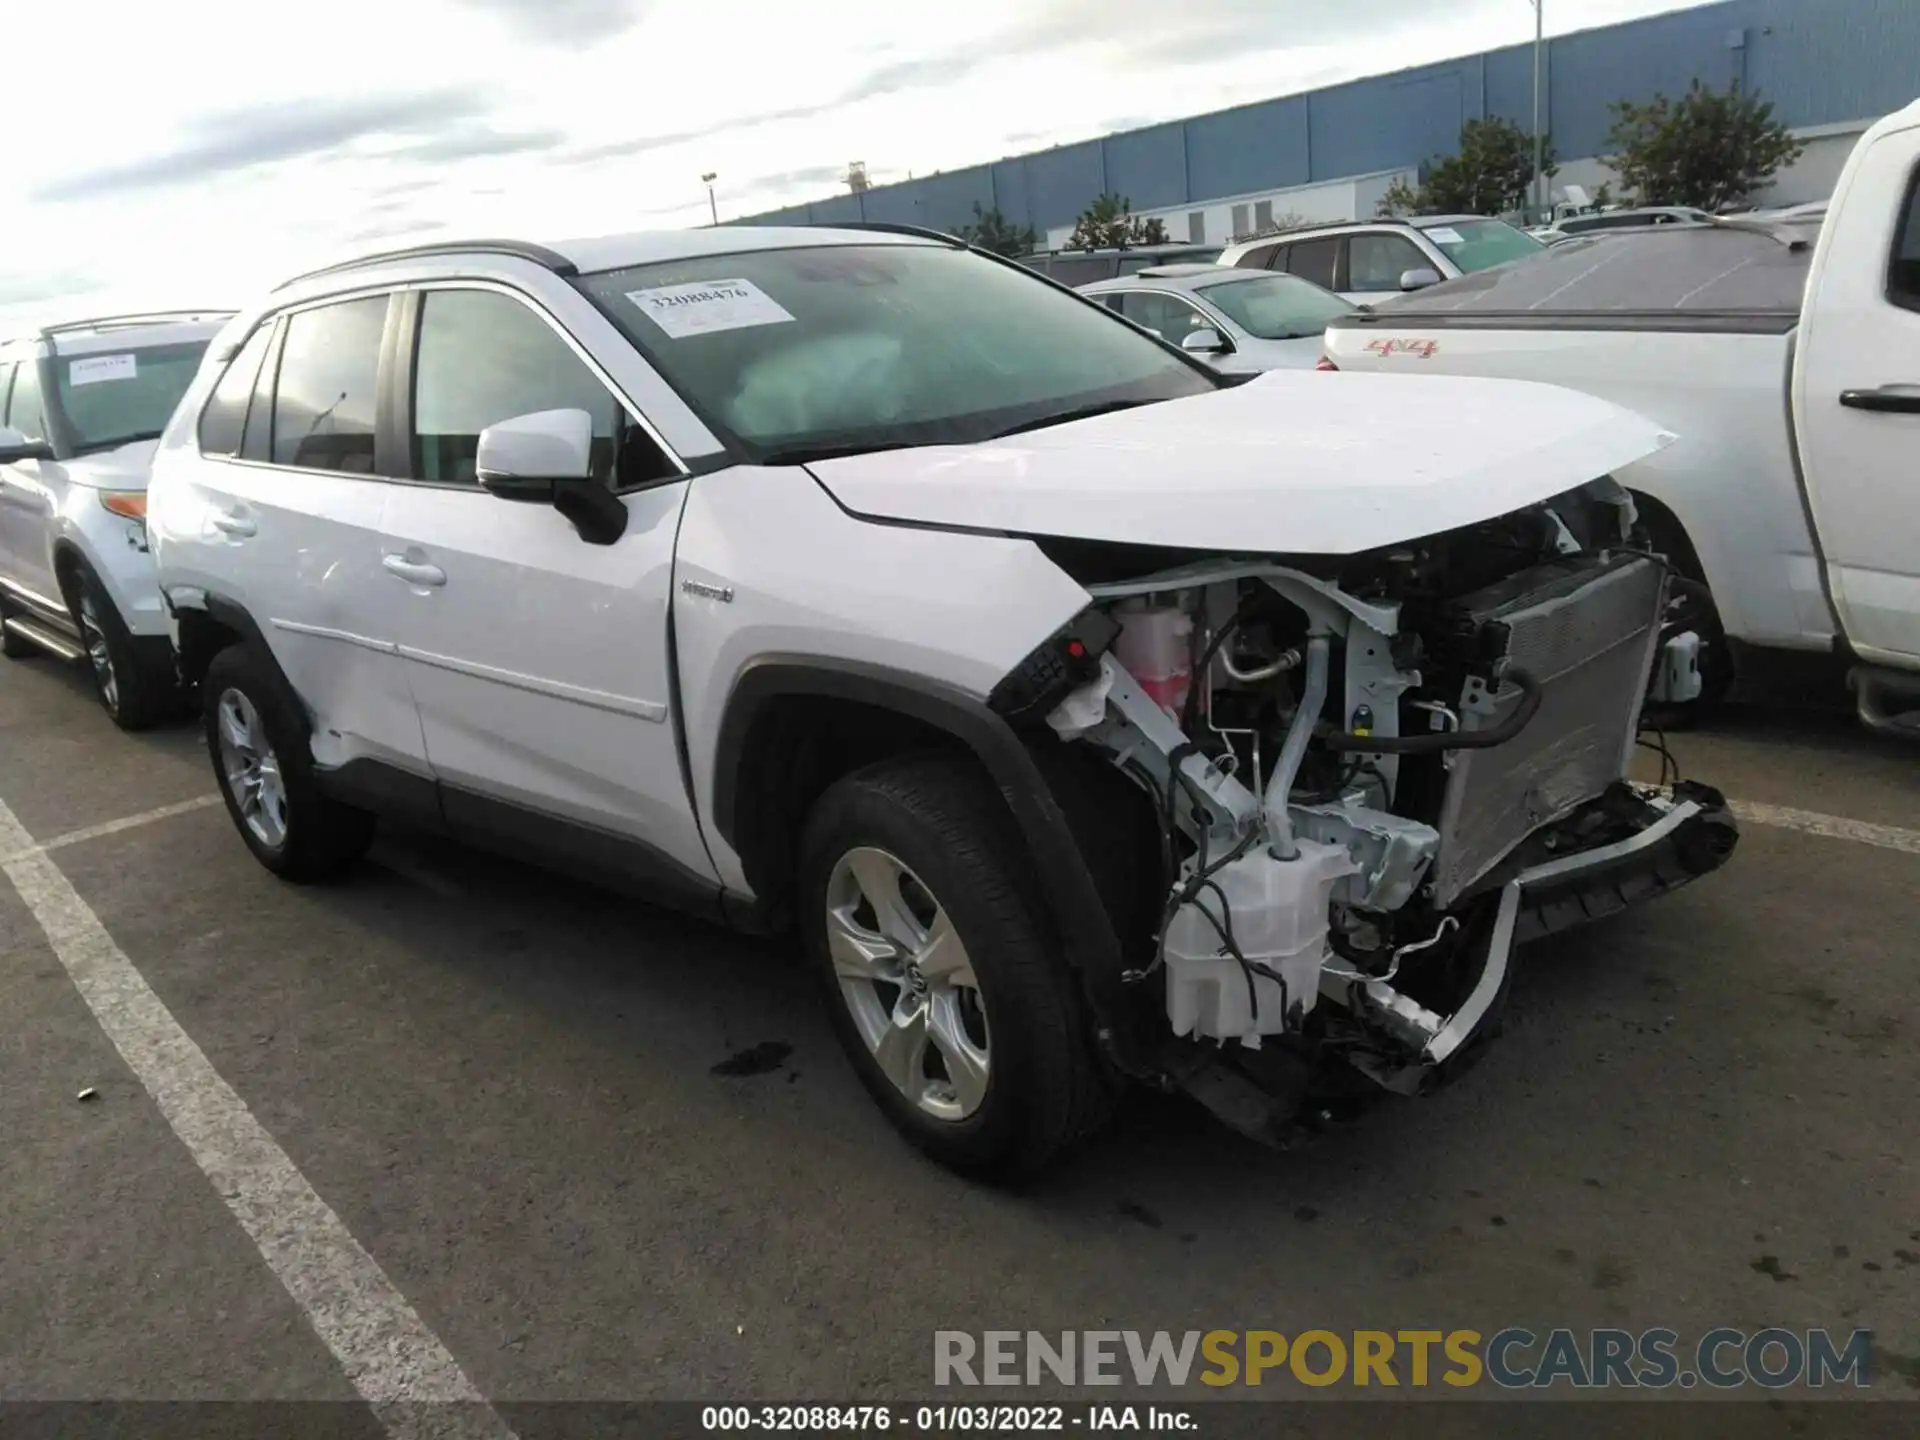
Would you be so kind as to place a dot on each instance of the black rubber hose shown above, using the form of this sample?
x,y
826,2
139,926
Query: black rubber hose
x,y
1529,706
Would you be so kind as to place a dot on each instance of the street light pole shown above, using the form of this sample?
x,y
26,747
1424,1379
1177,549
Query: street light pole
x,y
713,207
1539,141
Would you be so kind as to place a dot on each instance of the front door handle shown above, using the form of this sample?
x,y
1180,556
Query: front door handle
x,y
1887,400
414,572
229,522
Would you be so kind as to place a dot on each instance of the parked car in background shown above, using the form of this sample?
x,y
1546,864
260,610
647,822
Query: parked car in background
x,y
1784,352
1062,692
81,407
1634,219
1083,267
1239,321
1374,260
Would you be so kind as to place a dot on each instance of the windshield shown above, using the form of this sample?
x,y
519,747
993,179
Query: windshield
x,y
112,398
1276,307
1481,244
862,347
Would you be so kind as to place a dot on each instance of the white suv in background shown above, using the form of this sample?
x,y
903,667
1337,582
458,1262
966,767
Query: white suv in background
x,y
1072,700
1370,261
82,406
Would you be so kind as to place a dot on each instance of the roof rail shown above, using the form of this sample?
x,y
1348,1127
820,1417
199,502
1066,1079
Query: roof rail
x,y
127,322
887,227
519,249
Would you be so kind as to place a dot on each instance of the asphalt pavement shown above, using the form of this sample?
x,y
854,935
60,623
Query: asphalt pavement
x,y
590,1151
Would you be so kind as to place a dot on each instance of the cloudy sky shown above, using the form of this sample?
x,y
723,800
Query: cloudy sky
x,y
194,151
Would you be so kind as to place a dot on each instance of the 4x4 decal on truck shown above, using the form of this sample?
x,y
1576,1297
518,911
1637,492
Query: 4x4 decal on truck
x,y
1420,349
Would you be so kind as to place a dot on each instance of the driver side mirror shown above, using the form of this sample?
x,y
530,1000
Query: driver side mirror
x,y
14,446
1205,340
546,458
1419,278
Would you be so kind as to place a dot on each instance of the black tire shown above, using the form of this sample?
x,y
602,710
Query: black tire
x,y
136,695
11,645
944,819
320,837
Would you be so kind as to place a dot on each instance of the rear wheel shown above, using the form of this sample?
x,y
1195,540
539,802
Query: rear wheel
x,y
264,765
948,995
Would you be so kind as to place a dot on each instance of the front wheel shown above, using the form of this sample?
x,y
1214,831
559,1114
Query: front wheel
x,y
953,1004
264,766
135,692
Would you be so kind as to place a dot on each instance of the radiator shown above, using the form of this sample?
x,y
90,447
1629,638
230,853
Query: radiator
x,y
1588,637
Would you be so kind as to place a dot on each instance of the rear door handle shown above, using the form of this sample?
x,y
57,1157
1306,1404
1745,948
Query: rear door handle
x,y
229,523
1888,399
414,572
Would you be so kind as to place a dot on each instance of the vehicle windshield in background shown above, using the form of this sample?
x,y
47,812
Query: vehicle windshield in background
x,y
843,348
1276,307
1481,244
114,397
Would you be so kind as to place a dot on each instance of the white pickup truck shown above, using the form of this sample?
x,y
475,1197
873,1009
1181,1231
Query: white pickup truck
x,y
1785,355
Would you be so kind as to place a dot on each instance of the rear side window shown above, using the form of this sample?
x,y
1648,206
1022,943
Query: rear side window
x,y
225,417
25,413
1903,273
327,392
485,357
1314,260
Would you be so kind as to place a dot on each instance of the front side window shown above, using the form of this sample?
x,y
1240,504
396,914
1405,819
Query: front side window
x,y
1277,307
225,416
24,410
1170,318
326,395
1376,262
1315,260
857,347
113,398
1481,244
484,357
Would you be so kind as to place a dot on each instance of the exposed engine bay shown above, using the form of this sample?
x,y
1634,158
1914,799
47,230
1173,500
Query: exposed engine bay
x,y
1373,775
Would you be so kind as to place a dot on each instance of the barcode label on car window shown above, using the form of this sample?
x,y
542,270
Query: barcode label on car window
x,y
92,369
708,305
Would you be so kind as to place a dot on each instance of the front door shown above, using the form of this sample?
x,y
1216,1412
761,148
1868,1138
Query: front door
x,y
1857,401
30,493
540,663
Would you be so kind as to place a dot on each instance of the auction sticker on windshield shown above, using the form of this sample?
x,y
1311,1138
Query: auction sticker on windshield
x,y
92,369
1443,235
708,305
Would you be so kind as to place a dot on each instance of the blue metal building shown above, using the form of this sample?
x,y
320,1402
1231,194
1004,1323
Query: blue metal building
x,y
1821,62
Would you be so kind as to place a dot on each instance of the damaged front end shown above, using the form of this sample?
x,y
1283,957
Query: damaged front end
x,y
1371,777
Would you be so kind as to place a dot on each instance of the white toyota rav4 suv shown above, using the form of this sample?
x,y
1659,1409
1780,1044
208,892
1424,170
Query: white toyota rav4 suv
x,y
1091,715
82,406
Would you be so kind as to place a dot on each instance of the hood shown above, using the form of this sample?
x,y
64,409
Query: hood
x,y
1316,462
126,468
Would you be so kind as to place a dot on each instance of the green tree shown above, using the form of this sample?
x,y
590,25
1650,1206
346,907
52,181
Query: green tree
x,y
1710,148
1492,173
993,231
1110,224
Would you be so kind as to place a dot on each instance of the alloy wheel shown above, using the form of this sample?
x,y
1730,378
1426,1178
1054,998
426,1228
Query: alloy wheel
x,y
251,769
98,655
908,983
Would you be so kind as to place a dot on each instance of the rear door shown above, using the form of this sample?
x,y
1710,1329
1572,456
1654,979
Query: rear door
x,y
289,501
1322,261
1857,399
541,663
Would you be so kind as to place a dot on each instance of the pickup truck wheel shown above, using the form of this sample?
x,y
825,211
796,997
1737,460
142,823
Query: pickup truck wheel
x,y
133,692
264,767
956,1010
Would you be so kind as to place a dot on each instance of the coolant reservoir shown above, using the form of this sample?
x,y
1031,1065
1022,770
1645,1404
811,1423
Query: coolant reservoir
x,y
1156,647
1279,919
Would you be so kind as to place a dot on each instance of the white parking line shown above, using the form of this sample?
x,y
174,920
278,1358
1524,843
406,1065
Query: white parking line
x,y
1832,827
393,1360
129,822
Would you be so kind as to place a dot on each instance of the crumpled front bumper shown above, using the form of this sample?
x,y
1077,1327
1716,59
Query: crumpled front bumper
x,y
1687,834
